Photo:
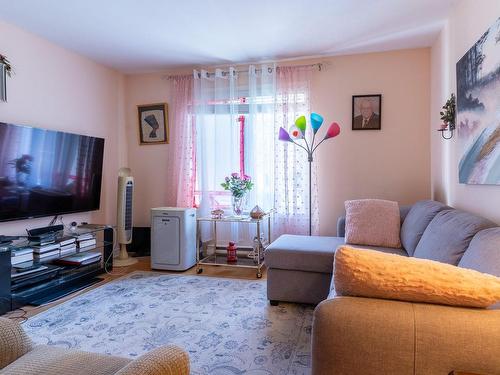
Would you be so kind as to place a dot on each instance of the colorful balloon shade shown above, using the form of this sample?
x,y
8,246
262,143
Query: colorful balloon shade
x,y
316,121
284,136
332,131
301,124
295,132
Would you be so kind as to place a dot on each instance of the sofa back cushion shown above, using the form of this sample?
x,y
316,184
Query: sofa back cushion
x,y
483,253
449,234
373,222
416,221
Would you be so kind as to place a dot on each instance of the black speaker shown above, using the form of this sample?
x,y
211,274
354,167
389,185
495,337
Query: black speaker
x,y
141,241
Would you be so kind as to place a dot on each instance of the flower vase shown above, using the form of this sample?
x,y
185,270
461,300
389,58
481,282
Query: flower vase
x,y
238,205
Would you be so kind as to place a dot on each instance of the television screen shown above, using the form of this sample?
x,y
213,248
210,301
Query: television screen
x,y
45,172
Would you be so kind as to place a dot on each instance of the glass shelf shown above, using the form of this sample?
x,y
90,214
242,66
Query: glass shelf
x,y
236,219
221,260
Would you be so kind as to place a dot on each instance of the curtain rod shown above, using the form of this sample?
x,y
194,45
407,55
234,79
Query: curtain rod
x,y
270,69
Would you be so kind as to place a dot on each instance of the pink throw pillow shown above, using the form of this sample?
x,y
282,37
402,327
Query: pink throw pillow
x,y
372,222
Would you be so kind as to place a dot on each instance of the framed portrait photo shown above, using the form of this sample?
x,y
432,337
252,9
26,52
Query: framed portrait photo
x,y
153,123
366,112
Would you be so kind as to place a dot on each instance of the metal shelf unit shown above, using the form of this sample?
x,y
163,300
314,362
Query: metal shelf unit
x,y
218,257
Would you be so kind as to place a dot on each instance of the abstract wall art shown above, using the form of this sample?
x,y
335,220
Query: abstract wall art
x,y
478,110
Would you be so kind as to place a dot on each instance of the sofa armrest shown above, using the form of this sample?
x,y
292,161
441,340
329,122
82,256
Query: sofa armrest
x,y
350,337
166,360
14,342
373,336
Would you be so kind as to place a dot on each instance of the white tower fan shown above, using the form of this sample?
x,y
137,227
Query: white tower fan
x,y
124,217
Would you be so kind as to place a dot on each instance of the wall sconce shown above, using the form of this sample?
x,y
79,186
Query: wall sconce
x,y
5,70
448,115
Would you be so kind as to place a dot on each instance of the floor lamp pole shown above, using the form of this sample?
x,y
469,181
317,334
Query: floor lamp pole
x,y
310,160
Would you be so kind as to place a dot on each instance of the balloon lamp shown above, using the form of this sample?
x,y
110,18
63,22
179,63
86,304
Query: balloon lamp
x,y
332,131
297,132
284,136
301,124
316,121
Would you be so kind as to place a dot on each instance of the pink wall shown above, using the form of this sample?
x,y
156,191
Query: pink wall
x,y
468,21
57,89
148,162
393,163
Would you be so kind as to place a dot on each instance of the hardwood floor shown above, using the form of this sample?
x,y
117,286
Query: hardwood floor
x,y
144,264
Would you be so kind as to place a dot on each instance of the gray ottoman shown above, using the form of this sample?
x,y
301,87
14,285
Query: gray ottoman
x,y
300,268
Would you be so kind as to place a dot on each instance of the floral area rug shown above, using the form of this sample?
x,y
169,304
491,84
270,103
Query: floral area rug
x,y
226,325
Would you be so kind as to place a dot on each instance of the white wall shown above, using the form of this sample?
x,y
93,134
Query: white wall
x,y
468,21
57,89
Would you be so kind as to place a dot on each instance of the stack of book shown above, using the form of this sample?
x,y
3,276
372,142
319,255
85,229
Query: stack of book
x,y
67,246
86,241
21,255
46,251
44,246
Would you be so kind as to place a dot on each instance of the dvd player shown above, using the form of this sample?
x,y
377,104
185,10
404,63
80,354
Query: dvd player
x,y
45,230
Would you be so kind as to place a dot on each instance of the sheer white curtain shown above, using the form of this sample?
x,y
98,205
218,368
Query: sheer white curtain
x,y
291,178
217,141
238,115
260,135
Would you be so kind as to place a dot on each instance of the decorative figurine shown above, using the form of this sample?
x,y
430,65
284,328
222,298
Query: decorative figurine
x,y
257,213
217,214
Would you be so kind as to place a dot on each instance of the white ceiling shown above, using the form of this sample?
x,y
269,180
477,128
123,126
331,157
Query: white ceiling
x,y
150,35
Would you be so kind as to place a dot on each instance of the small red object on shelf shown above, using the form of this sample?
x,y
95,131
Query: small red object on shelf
x,y
231,253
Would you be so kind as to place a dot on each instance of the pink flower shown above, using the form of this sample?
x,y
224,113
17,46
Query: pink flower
x,y
246,177
234,174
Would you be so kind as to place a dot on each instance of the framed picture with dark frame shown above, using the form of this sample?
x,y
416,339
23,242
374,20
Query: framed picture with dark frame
x,y
367,112
153,123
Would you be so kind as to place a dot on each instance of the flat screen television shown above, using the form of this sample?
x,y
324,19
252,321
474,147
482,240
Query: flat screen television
x,y
47,173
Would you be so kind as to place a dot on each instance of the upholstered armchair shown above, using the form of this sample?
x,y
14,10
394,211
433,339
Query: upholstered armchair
x,y
19,356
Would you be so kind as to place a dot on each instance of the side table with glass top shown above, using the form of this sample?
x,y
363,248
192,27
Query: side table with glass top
x,y
209,254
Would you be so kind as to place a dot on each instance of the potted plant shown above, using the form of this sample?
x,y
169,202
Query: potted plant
x,y
448,114
239,186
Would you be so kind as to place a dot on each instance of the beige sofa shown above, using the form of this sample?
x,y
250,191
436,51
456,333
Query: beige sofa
x,y
372,337
368,336
19,356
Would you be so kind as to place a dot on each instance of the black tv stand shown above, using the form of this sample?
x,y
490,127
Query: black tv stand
x,y
52,295
69,279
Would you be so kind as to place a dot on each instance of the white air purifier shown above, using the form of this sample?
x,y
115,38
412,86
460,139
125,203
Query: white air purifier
x,y
173,238
124,217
